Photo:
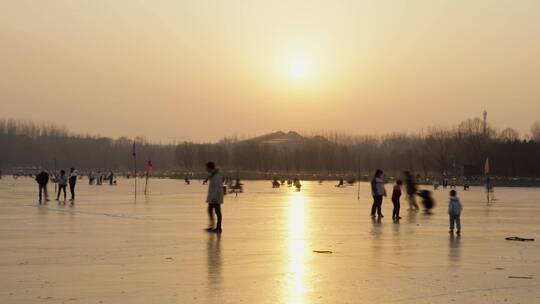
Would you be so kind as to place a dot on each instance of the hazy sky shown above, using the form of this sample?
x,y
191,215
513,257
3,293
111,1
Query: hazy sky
x,y
205,69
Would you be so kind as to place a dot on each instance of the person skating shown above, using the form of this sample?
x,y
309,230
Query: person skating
x,y
454,212
43,179
396,195
73,175
378,192
214,197
62,184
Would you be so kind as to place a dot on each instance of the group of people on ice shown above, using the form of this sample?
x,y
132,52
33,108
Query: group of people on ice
x,y
216,193
379,192
62,179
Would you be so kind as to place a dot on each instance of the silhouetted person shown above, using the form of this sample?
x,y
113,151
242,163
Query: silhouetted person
x,y
427,200
99,178
62,184
454,212
445,182
297,184
73,175
43,179
92,177
340,183
396,195
215,196
378,191
275,183
111,178
466,184
411,188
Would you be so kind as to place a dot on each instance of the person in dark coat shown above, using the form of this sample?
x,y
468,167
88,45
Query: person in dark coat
x,y
73,175
427,200
396,194
411,188
43,179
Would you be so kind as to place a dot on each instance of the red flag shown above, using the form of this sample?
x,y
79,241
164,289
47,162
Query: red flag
x,y
486,167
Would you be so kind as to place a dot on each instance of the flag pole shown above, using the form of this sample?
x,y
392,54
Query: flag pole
x,y
146,184
55,176
149,167
135,169
488,181
358,175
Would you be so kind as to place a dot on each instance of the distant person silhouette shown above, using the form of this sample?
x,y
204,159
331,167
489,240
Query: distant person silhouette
x,y
411,188
445,182
396,195
297,184
466,184
99,178
73,175
378,191
43,179
62,184
427,200
92,177
111,178
454,212
215,196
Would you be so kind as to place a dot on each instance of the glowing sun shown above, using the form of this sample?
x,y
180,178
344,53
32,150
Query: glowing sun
x,y
299,69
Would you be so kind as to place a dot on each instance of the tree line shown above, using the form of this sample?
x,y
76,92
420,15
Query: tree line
x,y
454,151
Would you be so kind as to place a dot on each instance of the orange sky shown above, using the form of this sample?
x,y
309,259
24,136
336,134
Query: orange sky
x,y
201,70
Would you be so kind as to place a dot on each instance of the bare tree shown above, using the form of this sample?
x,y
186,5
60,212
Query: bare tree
x,y
535,131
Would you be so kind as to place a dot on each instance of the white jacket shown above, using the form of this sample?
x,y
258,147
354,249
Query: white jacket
x,y
377,187
215,188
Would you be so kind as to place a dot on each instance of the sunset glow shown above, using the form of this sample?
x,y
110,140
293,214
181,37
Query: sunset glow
x,y
176,61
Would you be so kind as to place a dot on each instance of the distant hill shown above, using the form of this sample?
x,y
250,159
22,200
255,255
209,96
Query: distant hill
x,y
289,138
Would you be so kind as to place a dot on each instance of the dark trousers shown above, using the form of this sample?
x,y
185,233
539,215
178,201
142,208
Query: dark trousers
x,y
43,189
60,189
72,190
377,205
455,219
397,206
217,209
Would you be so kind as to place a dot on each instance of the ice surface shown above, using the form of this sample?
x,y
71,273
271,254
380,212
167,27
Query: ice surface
x,y
110,249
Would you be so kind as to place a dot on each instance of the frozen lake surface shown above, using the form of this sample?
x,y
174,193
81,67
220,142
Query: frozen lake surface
x,y
110,249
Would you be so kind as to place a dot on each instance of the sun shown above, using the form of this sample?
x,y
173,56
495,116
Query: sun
x,y
296,68
299,69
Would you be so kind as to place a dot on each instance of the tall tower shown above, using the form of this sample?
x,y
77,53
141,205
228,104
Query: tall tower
x,y
484,125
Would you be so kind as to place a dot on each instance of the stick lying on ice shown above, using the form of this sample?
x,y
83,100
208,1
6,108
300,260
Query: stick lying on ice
x,y
517,238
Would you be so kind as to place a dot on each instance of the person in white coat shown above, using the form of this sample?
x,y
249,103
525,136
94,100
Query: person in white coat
x,y
215,196
378,192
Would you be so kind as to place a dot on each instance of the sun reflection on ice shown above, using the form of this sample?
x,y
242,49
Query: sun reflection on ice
x,y
296,267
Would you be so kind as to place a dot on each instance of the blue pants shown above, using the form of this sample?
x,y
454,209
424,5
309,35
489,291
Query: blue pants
x,y
455,219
